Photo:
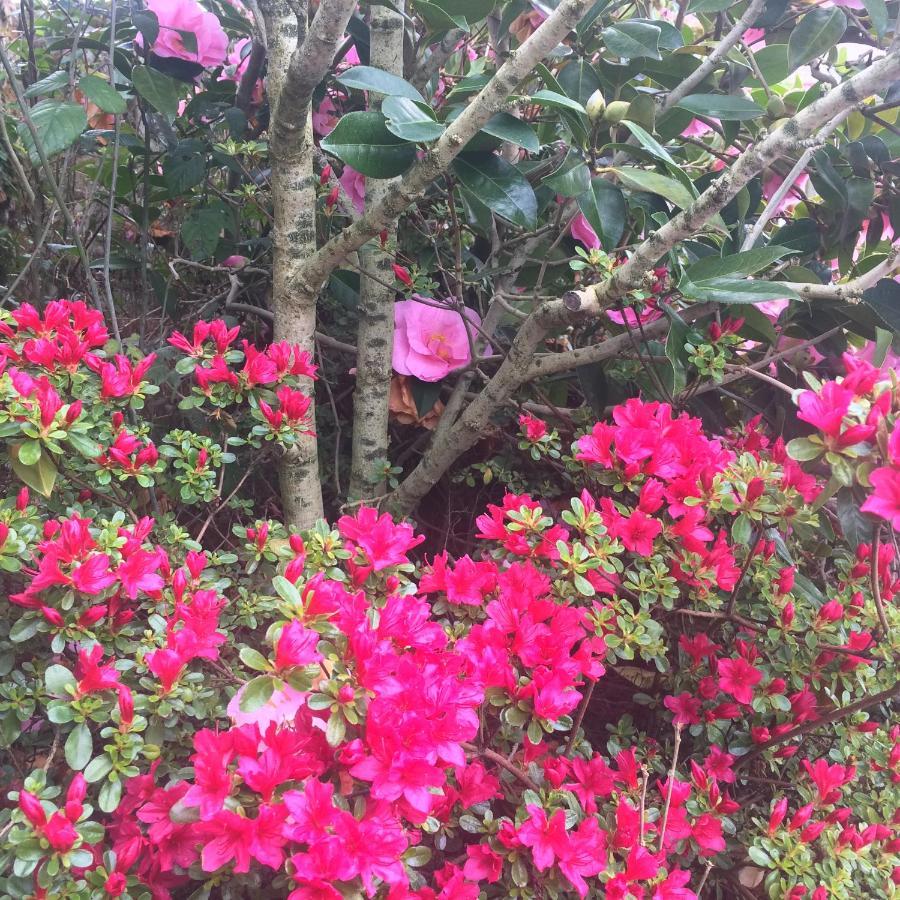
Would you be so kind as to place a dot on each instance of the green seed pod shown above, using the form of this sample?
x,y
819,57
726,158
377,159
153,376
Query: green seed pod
x,y
775,108
616,111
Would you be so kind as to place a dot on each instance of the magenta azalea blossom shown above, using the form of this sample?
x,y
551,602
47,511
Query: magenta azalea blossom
x,y
429,343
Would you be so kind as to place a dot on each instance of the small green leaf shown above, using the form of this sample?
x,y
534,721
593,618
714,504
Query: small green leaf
x,y
508,128
59,124
257,692
160,91
363,141
760,857
79,747
201,230
110,795
57,678
553,100
815,34
747,263
803,449
654,183
29,452
410,120
287,591
40,477
368,78
98,768
335,729
55,81
253,659
99,91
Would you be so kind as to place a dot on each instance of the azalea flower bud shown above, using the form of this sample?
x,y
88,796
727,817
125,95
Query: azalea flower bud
x,y
53,616
779,811
801,817
326,174
4,533
73,412
832,611
760,734
595,106
75,797
32,809
202,458
179,584
332,198
402,274
812,831
776,686
295,541
755,489
787,615
85,495
60,833
786,580
196,563
126,707
117,420
51,529
22,500
92,615
116,884
346,694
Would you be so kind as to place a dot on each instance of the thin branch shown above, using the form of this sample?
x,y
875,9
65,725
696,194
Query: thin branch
x,y
720,51
849,290
772,207
841,712
491,99
48,173
501,761
14,159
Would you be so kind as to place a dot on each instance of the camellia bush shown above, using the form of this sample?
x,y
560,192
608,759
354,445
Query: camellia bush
x,y
450,449
329,715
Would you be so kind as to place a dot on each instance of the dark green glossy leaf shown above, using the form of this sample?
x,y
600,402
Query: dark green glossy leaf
x,y
410,121
605,208
201,229
654,183
572,178
160,91
884,299
747,263
362,140
579,80
499,186
735,290
368,78
727,107
815,34
632,40
509,128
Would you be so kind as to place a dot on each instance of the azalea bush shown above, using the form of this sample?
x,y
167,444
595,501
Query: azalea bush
x,y
673,681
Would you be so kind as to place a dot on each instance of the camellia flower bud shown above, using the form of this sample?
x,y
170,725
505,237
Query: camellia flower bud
x,y
616,111
596,105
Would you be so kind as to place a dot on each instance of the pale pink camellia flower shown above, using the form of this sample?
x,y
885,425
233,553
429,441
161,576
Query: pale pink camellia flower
x,y
236,64
583,232
772,309
236,261
324,117
791,199
429,343
354,186
186,15
628,316
280,708
696,128
754,36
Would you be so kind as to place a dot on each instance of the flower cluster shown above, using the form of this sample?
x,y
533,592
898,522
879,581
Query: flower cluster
x,y
585,700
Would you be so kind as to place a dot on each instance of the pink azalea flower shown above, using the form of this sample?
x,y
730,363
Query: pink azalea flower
x,y
685,709
296,647
707,832
696,128
737,677
429,343
885,499
186,15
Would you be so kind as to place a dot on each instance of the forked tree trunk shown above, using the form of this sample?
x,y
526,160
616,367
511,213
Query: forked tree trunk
x,y
294,208
375,338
